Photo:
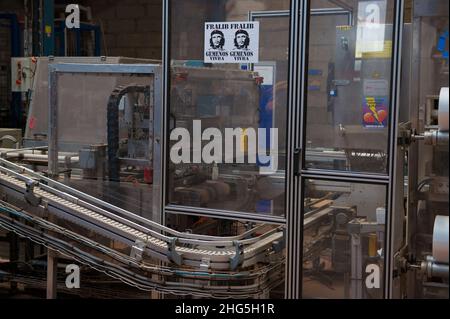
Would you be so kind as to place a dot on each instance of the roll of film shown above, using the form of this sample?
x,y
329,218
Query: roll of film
x,y
443,110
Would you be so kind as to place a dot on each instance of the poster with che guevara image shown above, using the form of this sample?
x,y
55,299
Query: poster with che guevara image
x,y
231,42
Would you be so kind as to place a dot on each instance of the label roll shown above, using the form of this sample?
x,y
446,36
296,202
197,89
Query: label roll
x,y
440,239
443,110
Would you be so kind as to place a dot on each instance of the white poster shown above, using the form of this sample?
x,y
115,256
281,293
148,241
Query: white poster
x,y
232,42
376,88
371,27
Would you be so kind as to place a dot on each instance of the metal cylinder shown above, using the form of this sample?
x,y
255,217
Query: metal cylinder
x,y
434,270
439,270
436,138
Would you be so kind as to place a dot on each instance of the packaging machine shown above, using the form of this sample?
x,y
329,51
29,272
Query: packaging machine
x,y
356,208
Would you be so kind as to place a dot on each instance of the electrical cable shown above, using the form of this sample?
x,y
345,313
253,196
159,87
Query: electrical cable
x,y
127,276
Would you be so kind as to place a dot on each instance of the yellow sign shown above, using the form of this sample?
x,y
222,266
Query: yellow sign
x,y
386,53
48,30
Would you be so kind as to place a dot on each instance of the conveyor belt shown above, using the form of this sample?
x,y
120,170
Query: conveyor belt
x,y
160,242
175,280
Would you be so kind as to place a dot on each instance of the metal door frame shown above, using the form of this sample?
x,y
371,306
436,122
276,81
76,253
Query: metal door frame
x,y
166,207
215,213
295,168
252,15
298,158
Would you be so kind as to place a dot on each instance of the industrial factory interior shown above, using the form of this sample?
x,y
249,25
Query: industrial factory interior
x,y
224,149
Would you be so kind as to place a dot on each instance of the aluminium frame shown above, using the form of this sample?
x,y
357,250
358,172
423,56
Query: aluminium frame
x,y
296,172
390,179
55,70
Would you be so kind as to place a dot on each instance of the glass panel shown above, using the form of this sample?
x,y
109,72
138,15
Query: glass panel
x,y
104,129
348,99
208,101
274,49
343,240
268,286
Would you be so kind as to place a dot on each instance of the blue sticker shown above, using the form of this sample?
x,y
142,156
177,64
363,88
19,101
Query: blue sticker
x,y
442,44
264,206
315,72
314,88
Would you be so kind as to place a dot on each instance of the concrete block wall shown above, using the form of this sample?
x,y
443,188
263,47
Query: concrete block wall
x,y
132,28
11,6
5,61
6,6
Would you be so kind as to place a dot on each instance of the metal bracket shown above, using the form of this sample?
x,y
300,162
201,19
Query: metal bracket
x,y
172,254
137,250
30,196
362,226
297,162
205,264
238,258
341,82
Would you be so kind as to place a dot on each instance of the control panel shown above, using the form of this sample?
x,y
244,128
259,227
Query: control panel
x,y
22,73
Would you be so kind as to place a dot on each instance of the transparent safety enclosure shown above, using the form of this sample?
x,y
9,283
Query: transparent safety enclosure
x,y
223,97
101,133
326,80
344,240
348,153
349,87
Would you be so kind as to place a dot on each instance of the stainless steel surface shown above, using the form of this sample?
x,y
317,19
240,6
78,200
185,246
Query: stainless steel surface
x,y
439,270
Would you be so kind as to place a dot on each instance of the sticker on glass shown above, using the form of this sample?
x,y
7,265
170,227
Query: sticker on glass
x,y
231,42
376,87
375,112
371,28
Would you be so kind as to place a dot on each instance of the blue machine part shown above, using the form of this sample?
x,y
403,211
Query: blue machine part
x,y
48,39
442,45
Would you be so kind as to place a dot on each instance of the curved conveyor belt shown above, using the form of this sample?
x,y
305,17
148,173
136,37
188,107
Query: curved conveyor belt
x,y
157,241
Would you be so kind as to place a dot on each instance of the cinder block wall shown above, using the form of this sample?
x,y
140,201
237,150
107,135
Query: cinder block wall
x,y
14,6
131,28
6,6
